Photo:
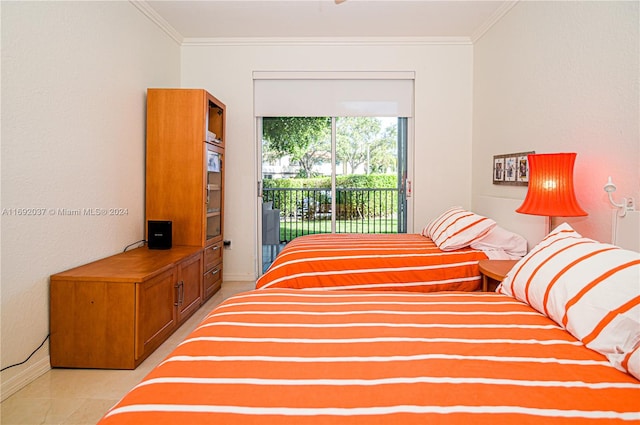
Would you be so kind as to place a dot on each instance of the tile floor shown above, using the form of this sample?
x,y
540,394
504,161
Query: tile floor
x,y
82,396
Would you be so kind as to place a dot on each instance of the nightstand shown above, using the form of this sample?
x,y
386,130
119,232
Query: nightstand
x,y
494,271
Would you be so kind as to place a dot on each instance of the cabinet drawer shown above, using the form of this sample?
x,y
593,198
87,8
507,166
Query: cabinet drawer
x,y
212,281
212,255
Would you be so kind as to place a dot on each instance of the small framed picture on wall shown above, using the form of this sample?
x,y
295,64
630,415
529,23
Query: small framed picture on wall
x,y
498,169
523,169
511,169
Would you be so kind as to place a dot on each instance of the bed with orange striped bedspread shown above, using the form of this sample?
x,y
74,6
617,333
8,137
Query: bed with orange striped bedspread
x,y
401,262
282,356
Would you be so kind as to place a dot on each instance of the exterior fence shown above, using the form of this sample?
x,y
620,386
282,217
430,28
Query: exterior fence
x,y
306,211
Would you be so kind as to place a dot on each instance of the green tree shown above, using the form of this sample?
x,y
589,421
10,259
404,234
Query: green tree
x,y
353,138
305,139
318,152
384,150
363,141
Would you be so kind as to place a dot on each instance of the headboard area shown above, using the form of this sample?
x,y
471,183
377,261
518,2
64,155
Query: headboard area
x,y
626,230
503,211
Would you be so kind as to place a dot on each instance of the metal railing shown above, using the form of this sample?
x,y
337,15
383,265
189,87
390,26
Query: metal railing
x,y
306,211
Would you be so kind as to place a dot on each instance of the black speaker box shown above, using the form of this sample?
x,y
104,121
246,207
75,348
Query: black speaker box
x,y
159,234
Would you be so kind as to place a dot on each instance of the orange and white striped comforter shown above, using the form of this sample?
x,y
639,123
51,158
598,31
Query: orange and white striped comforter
x,y
401,262
281,356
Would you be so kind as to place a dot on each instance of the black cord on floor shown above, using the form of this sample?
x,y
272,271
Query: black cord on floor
x,y
135,243
47,337
27,359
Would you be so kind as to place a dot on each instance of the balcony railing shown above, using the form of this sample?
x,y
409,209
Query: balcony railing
x,y
308,210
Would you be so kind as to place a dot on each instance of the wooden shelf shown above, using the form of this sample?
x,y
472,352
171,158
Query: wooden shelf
x,y
185,166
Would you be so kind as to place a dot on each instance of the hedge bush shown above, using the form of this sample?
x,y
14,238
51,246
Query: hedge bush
x,y
314,198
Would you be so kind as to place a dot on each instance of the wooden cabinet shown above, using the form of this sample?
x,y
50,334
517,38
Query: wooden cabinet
x,y
185,170
114,312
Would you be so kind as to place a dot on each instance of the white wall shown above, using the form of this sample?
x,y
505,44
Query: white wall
x,y
549,76
74,78
562,77
442,119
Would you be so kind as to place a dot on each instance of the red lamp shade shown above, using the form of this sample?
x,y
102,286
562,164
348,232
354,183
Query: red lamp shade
x,y
551,186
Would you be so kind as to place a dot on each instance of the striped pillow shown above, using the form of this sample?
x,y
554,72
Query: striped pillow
x,y
590,288
457,228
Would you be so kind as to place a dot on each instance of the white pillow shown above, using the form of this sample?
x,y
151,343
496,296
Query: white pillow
x,y
590,288
457,228
500,239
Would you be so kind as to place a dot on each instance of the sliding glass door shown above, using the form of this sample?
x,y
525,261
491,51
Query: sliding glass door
x,y
331,175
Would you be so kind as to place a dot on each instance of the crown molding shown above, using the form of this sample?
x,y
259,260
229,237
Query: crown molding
x,y
326,41
165,26
493,19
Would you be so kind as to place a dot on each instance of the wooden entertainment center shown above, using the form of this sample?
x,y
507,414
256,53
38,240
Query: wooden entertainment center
x,y
114,312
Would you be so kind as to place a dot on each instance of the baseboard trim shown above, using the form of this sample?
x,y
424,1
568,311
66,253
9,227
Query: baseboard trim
x,y
238,277
24,378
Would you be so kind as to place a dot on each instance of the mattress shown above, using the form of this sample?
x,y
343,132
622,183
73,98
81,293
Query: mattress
x,y
355,357
390,262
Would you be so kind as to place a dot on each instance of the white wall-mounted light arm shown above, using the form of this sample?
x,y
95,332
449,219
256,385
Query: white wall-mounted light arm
x,y
627,204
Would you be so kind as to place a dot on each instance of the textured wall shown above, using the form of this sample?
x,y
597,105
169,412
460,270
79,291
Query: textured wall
x,y
562,77
74,78
441,147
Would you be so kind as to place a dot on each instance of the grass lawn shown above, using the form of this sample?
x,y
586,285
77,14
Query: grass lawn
x,y
290,229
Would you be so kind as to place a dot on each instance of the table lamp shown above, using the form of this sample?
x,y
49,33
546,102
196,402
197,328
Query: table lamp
x,y
551,192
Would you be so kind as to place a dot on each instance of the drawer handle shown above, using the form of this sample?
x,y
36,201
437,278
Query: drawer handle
x,y
180,293
215,271
215,248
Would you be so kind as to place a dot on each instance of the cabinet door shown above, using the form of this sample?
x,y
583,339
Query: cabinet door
x,y
92,324
189,293
214,194
156,312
